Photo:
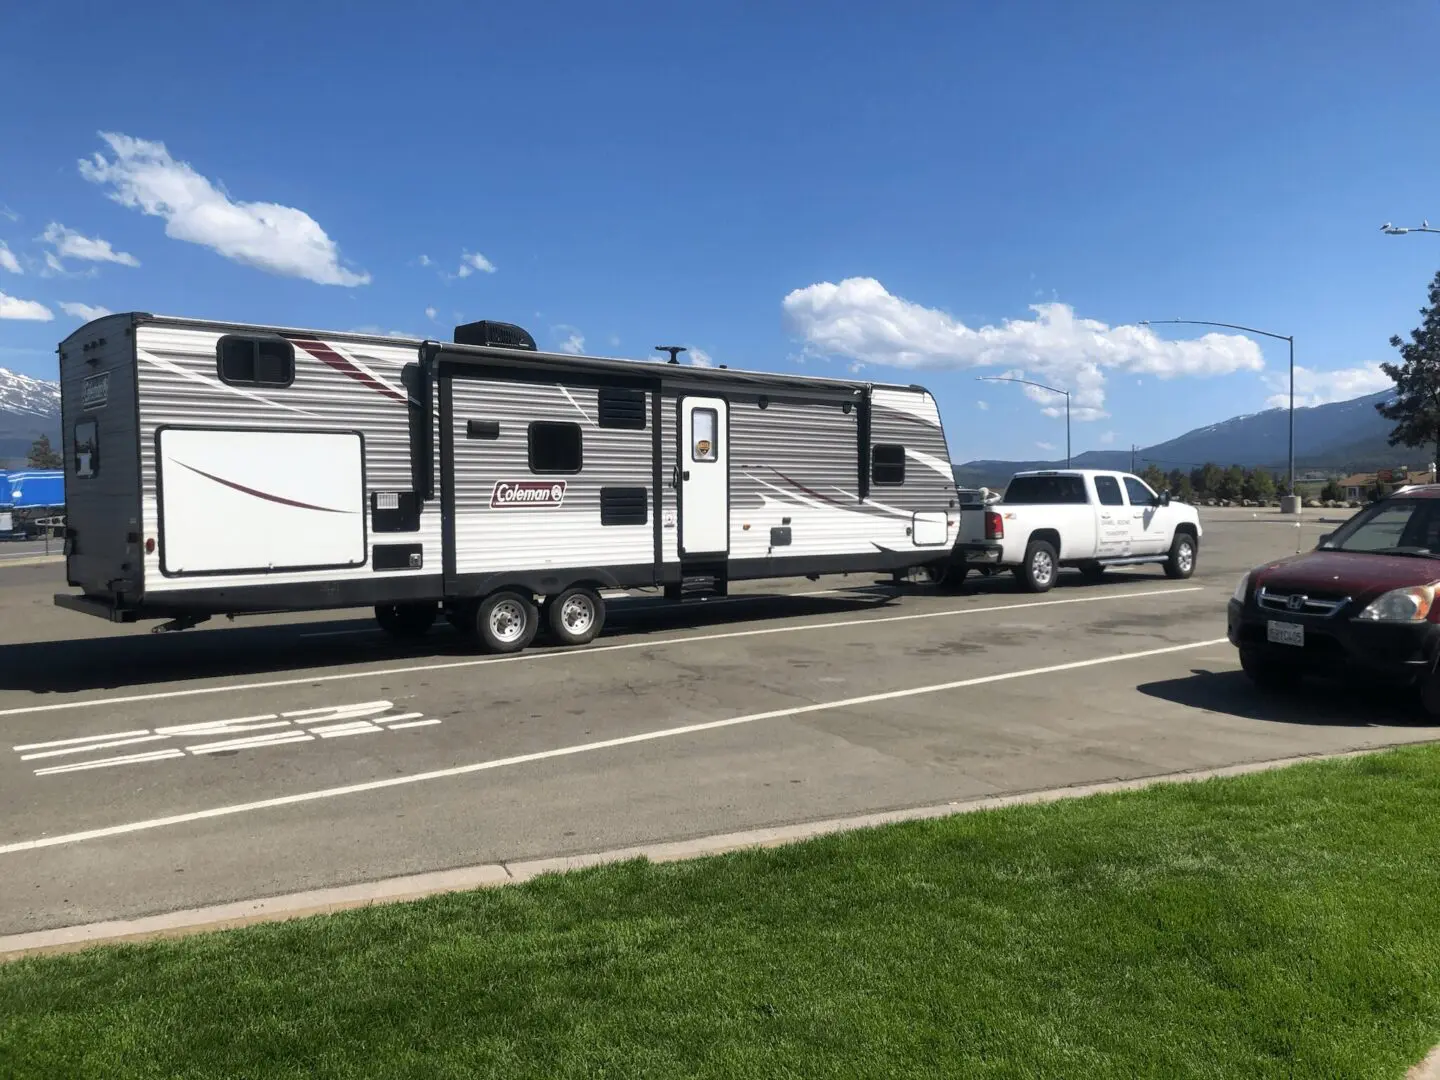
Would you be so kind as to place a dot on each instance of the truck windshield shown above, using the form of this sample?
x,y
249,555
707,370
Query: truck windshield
x,y
1034,490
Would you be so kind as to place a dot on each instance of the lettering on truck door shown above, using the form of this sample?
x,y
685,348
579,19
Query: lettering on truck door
x,y
1112,523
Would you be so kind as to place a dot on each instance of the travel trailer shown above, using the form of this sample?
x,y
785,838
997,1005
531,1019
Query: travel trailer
x,y
214,468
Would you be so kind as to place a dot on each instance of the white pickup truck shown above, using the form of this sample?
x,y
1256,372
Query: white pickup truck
x,y
1084,518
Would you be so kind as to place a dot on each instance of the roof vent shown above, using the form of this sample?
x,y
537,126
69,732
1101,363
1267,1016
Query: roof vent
x,y
497,335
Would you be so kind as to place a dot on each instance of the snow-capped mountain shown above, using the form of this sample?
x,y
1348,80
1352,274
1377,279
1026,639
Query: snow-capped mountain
x,y
29,408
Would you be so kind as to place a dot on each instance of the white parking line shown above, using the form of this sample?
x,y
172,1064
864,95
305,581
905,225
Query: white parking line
x,y
643,643
580,748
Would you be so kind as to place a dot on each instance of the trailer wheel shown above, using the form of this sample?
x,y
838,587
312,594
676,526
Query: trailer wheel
x,y
406,620
576,616
506,621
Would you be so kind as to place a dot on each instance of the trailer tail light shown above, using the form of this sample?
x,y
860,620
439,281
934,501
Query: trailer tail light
x,y
994,526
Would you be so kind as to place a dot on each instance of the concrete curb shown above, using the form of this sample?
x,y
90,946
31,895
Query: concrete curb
x,y
417,886
32,560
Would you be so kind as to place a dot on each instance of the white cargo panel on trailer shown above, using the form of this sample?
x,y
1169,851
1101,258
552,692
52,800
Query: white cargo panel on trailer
x,y
298,496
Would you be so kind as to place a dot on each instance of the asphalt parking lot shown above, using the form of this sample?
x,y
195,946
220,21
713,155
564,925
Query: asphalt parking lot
x,y
144,773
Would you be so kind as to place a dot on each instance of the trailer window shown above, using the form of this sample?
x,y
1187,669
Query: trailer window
x,y
887,464
255,361
87,449
555,447
622,409
704,436
1108,490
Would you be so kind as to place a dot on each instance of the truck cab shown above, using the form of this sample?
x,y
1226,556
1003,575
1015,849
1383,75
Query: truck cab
x,y
1088,519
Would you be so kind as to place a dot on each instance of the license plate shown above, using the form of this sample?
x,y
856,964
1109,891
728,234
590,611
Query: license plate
x,y
1285,633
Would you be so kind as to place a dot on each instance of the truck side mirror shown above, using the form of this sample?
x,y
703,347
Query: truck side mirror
x,y
1163,499
1324,541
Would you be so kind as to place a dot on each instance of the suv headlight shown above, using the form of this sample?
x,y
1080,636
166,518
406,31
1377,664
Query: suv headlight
x,y
1240,589
1408,605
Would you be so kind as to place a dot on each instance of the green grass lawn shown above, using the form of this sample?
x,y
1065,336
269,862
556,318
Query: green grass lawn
x,y
1282,924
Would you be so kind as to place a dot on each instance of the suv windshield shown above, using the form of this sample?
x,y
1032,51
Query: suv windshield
x,y
1396,527
1036,490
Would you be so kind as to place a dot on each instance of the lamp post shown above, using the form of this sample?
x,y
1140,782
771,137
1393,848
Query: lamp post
x,y
1401,230
1040,386
1289,338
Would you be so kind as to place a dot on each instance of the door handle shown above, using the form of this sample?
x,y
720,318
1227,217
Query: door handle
x,y
685,475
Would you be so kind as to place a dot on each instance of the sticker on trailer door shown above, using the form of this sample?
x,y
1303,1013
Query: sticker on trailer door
x,y
508,494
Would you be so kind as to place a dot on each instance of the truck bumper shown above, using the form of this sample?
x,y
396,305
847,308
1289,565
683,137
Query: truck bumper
x,y
89,605
978,554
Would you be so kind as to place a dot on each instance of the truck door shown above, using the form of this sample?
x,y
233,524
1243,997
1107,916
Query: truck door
x,y
1112,524
1149,524
704,468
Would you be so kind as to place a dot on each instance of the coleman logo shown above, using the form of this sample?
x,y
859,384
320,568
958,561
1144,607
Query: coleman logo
x,y
507,493
95,391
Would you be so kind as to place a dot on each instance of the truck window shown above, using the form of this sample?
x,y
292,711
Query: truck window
x,y
1108,489
1139,491
1046,490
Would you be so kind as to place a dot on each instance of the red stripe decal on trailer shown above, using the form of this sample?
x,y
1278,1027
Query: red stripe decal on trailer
x,y
261,494
326,355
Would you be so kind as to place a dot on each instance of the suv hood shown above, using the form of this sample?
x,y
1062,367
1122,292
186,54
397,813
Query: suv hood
x,y
1353,573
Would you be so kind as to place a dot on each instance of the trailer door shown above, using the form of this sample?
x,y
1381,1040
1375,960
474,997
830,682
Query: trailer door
x,y
704,477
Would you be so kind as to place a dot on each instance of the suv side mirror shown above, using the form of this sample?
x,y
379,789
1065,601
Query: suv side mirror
x,y
1163,499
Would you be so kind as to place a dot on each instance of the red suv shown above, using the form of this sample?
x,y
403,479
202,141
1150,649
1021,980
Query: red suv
x,y
1363,603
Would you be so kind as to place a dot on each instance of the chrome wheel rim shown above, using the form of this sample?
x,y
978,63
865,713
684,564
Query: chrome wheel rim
x,y
577,614
1185,557
507,620
1041,567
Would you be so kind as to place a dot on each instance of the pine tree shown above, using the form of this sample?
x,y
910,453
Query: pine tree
x,y
43,455
1416,405
1155,478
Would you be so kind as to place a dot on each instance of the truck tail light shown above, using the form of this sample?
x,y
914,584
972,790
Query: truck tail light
x,y
994,526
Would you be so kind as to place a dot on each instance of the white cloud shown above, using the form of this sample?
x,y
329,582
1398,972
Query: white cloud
x,y
14,308
69,244
1107,438
470,261
277,239
614,341
380,331
1322,387
574,342
83,311
1047,446
983,406
861,320
8,214
430,313
698,357
425,260
8,261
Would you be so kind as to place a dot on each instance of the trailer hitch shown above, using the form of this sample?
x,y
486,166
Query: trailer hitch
x,y
184,622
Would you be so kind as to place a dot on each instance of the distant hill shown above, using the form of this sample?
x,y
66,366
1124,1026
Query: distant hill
x,y
1345,436
29,408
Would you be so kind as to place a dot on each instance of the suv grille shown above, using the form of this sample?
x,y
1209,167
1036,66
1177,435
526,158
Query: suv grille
x,y
1294,603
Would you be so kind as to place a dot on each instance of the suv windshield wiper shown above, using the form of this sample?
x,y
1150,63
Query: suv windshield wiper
x,y
1408,552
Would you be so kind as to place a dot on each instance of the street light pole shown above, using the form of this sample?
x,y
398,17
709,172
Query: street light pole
x,y
1401,230
1040,386
1290,338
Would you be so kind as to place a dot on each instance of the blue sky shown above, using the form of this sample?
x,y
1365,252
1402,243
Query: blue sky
x,y
819,188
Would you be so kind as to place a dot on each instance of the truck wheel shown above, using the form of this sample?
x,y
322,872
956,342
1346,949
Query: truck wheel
x,y
576,616
1269,675
1037,572
1092,571
1181,563
506,621
406,620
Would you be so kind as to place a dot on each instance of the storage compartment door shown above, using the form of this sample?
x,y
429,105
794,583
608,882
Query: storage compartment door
x,y
256,501
930,528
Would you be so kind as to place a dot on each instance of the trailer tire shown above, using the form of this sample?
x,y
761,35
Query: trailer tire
x,y
1037,572
576,616
506,621
406,620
